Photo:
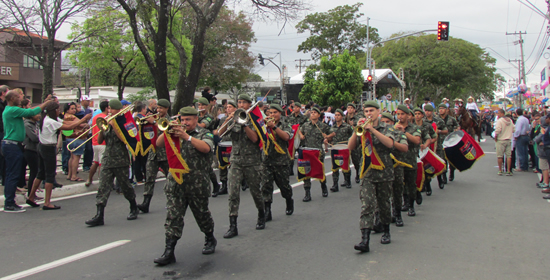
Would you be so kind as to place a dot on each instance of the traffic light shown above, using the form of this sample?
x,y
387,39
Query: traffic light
x,y
261,59
369,78
279,95
443,31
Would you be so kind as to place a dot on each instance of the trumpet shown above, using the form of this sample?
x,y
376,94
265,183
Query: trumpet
x,y
142,121
360,129
165,125
102,124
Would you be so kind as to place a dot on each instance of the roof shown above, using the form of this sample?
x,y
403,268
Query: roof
x,y
19,32
382,78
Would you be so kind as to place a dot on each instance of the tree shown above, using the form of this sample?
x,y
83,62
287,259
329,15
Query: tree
x,y
34,25
338,81
453,69
335,31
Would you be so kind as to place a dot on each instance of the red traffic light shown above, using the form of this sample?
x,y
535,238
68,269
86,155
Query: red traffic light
x,y
369,78
443,31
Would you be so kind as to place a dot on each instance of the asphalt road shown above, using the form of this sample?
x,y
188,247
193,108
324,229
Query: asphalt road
x,y
481,226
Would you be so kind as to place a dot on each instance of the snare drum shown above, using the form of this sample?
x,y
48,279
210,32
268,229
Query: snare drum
x,y
224,153
340,157
433,164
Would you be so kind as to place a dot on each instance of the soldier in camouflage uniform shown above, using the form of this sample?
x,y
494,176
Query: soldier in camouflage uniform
x,y
231,107
352,118
196,148
428,136
376,185
296,117
313,134
452,125
276,163
340,132
155,160
115,163
441,133
207,121
413,134
245,163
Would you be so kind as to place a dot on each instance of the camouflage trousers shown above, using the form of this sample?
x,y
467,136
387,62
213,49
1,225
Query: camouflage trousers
x,y
356,157
307,182
223,174
441,154
409,176
106,180
252,175
375,194
152,169
397,187
279,174
212,175
177,201
336,175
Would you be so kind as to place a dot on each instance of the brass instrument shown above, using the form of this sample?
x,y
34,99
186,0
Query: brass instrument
x,y
142,121
165,125
102,124
242,118
360,129
269,120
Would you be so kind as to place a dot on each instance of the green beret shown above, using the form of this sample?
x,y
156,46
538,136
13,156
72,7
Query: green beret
x,y
388,116
164,103
403,108
297,104
276,107
232,103
442,105
115,104
203,100
352,105
340,111
371,103
188,111
245,98
316,110
428,107
418,110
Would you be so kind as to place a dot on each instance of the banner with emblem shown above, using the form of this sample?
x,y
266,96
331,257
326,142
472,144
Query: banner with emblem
x,y
176,163
126,126
148,133
309,165
397,162
461,150
340,159
370,156
224,154
432,145
272,141
294,141
420,176
257,120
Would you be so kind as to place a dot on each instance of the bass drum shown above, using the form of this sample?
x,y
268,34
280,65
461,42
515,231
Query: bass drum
x,y
455,144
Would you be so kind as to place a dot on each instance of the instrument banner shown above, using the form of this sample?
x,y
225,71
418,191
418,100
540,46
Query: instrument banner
x,y
272,140
370,156
433,164
126,126
309,165
291,142
471,149
177,164
397,162
340,159
420,176
224,156
260,127
432,145
148,133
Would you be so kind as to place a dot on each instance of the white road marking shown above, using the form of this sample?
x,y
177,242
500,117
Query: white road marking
x,y
64,261
490,152
302,182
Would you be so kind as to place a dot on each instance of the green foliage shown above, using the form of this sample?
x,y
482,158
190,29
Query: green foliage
x,y
453,69
338,82
142,95
335,31
253,77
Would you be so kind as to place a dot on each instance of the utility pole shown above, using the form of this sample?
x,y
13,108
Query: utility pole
x,y
519,77
522,69
299,66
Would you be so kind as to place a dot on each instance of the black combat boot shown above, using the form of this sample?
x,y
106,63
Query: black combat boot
x,y
393,215
428,187
134,211
261,220
168,256
452,174
291,168
357,179
411,213
289,206
144,207
405,206
386,238
97,220
324,189
363,246
347,178
444,177
418,198
334,187
223,190
210,243
378,227
267,207
440,181
398,219
307,197
244,185
232,232
215,189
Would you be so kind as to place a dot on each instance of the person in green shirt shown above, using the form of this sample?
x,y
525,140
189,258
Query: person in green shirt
x,y
12,144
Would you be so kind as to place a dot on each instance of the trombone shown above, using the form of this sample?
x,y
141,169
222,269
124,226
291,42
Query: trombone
x,y
242,118
102,124
360,129
142,121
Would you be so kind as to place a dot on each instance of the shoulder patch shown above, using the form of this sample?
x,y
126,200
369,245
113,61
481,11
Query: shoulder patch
x,y
418,130
210,134
403,136
391,128
208,118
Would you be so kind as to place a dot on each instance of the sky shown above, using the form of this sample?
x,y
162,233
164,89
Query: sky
x,y
482,22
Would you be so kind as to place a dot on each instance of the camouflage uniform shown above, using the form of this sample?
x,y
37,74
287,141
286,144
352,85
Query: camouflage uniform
x,y
208,120
409,174
225,138
343,133
376,186
440,138
291,120
194,191
155,160
115,163
356,155
452,125
245,162
276,167
398,170
314,139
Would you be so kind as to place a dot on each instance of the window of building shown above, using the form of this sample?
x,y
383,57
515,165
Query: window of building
x,y
29,62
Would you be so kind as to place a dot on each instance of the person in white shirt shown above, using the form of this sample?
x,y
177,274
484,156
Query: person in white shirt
x,y
329,116
471,106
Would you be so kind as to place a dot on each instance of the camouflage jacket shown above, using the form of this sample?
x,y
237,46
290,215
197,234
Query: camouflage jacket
x,y
355,118
244,152
160,153
293,119
385,175
116,153
343,132
208,120
273,157
412,153
401,138
427,131
314,138
451,123
440,126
